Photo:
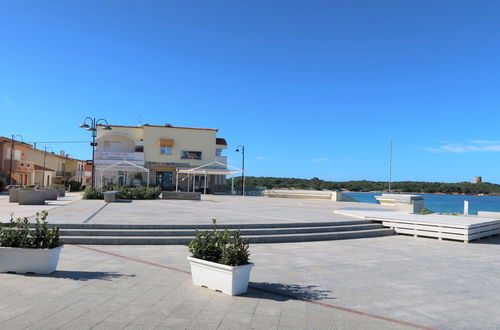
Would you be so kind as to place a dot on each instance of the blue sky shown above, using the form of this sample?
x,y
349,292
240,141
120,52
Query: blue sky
x,y
311,88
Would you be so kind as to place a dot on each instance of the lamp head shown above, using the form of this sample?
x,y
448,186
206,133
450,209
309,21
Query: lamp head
x,y
107,128
83,125
237,150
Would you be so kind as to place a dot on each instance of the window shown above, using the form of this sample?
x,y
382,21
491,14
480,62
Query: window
x,y
218,152
165,150
191,155
139,148
17,154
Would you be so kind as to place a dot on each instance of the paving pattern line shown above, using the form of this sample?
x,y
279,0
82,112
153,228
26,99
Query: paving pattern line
x,y
95,213
275,292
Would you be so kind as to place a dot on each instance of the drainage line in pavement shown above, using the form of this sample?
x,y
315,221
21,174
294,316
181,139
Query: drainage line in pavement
x,y
275,292
95,213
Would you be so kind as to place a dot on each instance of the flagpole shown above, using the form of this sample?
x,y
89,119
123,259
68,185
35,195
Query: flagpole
x,y
390,166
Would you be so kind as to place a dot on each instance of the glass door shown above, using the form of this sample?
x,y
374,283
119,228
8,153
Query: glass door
x,y
164,180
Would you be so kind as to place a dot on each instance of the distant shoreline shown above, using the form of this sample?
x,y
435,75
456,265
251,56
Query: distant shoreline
x,y
420,193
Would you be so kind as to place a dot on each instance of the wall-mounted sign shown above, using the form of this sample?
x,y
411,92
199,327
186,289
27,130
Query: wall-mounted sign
x,y
191,155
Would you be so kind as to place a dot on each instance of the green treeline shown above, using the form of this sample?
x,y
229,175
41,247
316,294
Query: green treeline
x,y
365,186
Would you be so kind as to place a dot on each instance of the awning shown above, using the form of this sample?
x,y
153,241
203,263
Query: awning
x,y
42,168
166,142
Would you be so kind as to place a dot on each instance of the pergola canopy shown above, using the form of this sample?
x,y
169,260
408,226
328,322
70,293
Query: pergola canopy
x,y
124,166
215,168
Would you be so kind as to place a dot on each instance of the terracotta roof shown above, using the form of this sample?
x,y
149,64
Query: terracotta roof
x,y
147,125
221,141
41,168
4,139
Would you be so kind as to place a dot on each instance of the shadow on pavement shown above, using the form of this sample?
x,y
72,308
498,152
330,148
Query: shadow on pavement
x,y
84,276
490,240
281,292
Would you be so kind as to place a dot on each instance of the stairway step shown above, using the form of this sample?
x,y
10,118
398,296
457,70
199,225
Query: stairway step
x,y
190,232
209,226
177,240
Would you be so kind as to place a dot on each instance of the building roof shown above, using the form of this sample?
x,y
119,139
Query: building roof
x,y
6,139
42,168
221,141
166,126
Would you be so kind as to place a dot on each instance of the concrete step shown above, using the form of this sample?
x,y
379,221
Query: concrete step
x,y
209,226
191,232
176,240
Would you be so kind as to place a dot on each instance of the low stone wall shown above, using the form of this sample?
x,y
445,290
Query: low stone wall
x,y
180,195
32,197
405,203
13,195
336,196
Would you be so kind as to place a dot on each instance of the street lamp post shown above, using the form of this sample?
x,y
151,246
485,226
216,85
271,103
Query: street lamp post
x,y
242,166
11,156
93,128
44,158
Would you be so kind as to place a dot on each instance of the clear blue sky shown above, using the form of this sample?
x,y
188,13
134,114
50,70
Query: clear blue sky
x,y
312,88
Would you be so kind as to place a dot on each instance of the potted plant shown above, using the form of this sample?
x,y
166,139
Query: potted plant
x,y
29,250
60,189
31,196
219,261
13,195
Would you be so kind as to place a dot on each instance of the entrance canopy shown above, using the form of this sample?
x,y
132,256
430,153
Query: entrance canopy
x,y
214,168
124,166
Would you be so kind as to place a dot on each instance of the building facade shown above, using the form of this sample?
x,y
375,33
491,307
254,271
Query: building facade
x,y
151,154
31,166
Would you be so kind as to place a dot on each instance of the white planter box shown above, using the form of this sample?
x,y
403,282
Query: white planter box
x,y
19,260
232,280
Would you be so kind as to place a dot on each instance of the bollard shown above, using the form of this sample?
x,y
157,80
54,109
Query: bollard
x,y
466,207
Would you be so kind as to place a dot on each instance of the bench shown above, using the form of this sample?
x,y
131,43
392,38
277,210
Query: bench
x,y
406,203
181,195
110,196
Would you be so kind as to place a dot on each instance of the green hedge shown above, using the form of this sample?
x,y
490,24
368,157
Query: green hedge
x,y
123,192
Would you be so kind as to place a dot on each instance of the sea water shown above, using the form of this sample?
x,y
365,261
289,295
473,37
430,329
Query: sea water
x,y
444,203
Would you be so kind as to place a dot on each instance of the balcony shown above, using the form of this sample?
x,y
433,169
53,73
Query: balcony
x,y
109,157
65,174
221,159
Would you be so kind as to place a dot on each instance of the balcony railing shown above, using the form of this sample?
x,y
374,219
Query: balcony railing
x,y
221,159
108,155
65,174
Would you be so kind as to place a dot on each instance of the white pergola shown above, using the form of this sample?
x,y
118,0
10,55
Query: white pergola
x,y
124,166
214,168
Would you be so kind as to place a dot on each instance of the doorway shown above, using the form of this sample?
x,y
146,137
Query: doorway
x,y
164,180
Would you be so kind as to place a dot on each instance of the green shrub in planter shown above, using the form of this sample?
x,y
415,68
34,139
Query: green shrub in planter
x,y
18,234
220,247
56,185
75,185
93,193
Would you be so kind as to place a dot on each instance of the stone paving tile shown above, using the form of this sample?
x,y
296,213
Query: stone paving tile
x,y
95,289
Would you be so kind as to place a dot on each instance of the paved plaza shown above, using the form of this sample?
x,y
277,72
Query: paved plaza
x,y
226,209
391,282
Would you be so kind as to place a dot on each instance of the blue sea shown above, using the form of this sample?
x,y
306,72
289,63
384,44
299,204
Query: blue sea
x,y
444,203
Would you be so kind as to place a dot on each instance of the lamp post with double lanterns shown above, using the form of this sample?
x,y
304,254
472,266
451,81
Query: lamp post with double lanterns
x,y
93,128
242,148
12,156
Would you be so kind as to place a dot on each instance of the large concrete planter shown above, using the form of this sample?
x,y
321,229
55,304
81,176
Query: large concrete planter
x,y
38,261
31,197
50,194
13,195
62,191
232,280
